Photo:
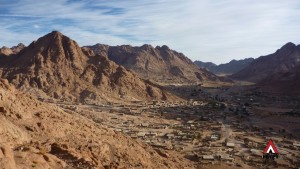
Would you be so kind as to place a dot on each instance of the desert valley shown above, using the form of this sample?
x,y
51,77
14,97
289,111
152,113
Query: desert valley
x,y
101,106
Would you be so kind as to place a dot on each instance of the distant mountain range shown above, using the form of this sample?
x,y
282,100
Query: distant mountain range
x,y
279,72
225,69
55,65
283,60
160,64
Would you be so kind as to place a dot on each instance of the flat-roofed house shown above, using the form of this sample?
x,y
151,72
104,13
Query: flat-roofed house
x,y
230,144
208,157
296,144
214,137
141,134
170,136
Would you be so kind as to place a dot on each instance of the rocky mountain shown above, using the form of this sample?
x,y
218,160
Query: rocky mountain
x,y
286,82
56,66
18,48
160,64
13,50
35,134
5,51
284,60
205,65
226,68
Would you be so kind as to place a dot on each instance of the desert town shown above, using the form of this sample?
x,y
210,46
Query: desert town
x,y
120,106
207,131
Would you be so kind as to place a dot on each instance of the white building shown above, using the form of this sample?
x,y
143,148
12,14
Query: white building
x,y
230,144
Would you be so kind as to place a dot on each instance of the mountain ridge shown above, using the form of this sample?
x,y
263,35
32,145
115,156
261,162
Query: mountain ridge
x,y
57,66
283,60
159,63
13,50
226,68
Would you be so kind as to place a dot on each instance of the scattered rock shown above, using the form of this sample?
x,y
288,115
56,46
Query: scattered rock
x,y
7,160
162,153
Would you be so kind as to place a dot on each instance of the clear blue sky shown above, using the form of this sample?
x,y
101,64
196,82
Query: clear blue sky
x,y
206,30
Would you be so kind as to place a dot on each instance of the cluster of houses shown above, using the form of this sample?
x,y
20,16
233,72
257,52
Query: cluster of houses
x,y
193,126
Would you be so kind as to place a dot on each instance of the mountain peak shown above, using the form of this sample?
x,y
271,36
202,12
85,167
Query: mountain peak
x,y
56,33
54,36
286,49
59,67
53,48
5,51
18,48
283,60
288,45
146,46
20,45
163,47
51,38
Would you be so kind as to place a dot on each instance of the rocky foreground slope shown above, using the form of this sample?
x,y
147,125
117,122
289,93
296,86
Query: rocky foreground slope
x,y
160,64
56,66
39,135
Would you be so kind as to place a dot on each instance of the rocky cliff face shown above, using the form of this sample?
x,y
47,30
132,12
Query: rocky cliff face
x,y
160,64
57,66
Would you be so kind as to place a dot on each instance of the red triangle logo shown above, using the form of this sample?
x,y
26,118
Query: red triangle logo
x,y
270,148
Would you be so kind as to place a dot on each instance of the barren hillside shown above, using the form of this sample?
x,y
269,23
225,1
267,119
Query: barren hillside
x,y
38,135
160,64
283,60
56,66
